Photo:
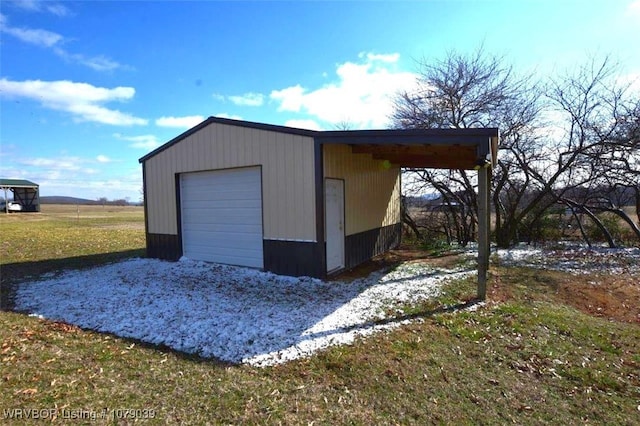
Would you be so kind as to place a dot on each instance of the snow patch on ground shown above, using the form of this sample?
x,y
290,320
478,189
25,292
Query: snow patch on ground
x,y
231,313
576,260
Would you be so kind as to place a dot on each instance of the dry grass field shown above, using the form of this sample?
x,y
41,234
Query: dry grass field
x,y
530,355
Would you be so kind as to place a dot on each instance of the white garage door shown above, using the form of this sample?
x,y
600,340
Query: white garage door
x,y
222,216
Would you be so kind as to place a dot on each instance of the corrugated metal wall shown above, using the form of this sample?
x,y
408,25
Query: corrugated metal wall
x,y
287,176
372,193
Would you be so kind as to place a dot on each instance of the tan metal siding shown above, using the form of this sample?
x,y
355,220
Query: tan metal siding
x,y
372,193
287,176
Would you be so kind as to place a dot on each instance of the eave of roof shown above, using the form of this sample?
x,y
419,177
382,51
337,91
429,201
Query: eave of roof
x,y
433,148
230,122
17,183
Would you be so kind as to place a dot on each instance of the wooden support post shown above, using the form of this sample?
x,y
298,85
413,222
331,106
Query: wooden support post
x,y
483,231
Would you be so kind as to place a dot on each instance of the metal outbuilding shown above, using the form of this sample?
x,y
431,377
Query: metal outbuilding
x,y
25,192
295,201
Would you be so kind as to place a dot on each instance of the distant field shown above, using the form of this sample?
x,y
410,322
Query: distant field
x,y
62,236
81,215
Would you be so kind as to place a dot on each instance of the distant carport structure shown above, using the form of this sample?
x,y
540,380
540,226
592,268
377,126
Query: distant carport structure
x,y
25,192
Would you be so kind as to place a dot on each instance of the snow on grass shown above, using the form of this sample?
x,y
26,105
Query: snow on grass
x,y
243,315
576,260
231,313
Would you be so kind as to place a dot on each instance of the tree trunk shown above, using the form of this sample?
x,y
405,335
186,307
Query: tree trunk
x,y
580,226
595,220
506,235
627,219
409,220
637,191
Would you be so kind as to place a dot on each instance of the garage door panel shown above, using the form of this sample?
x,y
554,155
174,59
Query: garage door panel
x,y
221,214
218,227
191,204
222,195
243,258
250,257
233,179
205,249
224,251
230,259
216,239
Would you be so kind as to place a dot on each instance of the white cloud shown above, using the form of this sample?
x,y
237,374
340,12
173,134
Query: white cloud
x,y
185,122
31,5
58,9
230,116
631,81
37,37
98,63
59,167
219,97
147,142
84,177
101,63
291,98
82,100
59,163
633,9
43,6
251,99
390,57
51,40
362,95
248,99
303,124
90,185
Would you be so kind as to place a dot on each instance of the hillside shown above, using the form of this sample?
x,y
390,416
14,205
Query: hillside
x,y
59,199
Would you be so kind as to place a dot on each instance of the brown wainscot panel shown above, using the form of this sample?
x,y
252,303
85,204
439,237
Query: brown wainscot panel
x,y
294,258
363,246
164,246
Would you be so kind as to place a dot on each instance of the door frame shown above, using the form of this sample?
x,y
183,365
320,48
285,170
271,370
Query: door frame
x,y
341,225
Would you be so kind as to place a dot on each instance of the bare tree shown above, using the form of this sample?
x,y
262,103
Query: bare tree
x,y
577,131
344,125
470,91
103,201
598,151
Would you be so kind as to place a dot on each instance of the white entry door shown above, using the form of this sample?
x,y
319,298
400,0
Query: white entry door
x,y
334,223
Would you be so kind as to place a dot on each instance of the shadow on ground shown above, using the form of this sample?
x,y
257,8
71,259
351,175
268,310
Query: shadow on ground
x,y
13,273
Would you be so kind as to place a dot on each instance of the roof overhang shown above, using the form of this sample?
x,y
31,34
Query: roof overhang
x,y
423,148
410,148
17,183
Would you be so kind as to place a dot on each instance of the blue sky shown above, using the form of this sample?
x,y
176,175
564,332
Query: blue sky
x,y
88,87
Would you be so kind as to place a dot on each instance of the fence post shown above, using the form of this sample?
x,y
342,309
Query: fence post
x,y
483,231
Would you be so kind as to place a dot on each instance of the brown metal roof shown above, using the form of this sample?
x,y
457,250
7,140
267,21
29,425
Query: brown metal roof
x,y
411,148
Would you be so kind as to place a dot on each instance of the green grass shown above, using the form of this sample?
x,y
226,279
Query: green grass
x,y
528,360
60,232
68,237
